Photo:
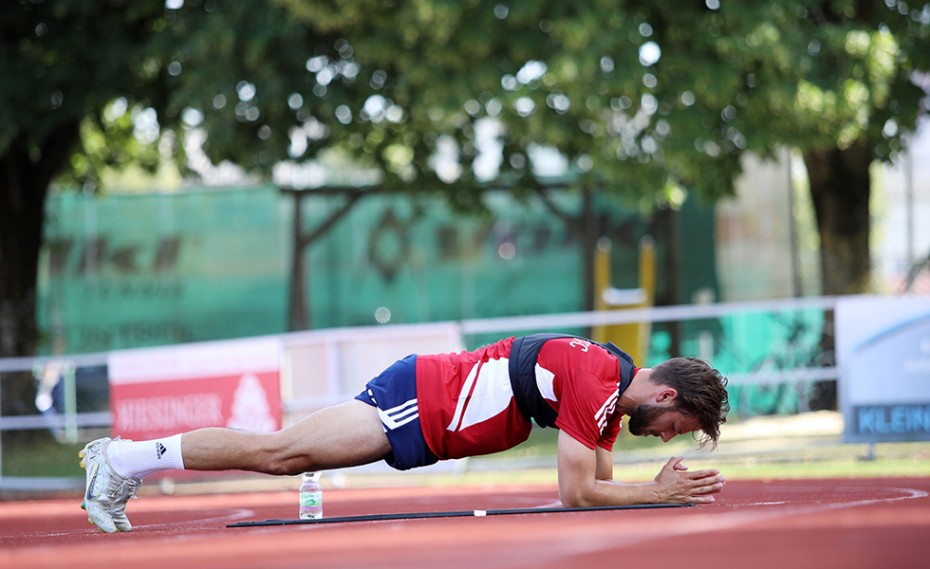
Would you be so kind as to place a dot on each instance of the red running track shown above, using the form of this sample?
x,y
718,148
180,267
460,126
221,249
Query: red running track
x,y
784,524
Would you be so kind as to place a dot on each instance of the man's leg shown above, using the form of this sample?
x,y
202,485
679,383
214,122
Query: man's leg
x,y
348,434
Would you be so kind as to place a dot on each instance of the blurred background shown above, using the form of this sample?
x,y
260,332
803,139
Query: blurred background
x,y
327,187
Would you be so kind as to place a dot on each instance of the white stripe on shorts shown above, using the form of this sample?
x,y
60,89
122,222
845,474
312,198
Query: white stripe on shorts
x,y
401,415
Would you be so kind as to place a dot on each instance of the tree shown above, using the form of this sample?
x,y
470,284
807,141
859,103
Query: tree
x,y
91,86
839,80
641,99
53,80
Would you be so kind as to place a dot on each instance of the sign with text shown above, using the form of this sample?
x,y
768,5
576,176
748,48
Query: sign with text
x,y
883,347
157,392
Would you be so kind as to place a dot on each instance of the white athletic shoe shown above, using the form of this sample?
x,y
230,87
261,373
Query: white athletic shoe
x,y
106,491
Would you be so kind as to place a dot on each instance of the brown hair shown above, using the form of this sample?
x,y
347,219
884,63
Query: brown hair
x,y
701,390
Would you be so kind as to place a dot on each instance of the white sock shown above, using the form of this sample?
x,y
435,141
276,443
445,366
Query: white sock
x,y
139,459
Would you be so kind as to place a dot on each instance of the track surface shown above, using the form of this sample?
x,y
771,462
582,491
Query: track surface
x,y
795,524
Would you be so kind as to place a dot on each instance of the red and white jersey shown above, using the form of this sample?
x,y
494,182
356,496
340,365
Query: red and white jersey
x,y
467,405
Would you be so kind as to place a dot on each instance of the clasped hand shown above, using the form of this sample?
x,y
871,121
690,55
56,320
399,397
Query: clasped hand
x,y
677,485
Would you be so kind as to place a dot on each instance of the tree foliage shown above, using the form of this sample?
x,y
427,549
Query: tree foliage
x,y
640,99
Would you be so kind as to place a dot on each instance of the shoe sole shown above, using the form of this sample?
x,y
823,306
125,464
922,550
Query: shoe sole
x,y
81,454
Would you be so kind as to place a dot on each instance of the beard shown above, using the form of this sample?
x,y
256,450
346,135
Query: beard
x,y
643,417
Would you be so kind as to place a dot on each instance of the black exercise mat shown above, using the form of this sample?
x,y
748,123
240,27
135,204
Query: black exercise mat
x,y
450,514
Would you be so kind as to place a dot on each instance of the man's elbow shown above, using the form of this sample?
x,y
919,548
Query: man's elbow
x,y
576,499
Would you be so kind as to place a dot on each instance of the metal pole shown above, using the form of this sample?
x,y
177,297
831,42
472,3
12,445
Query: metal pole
x,y
297,311
796,282
1,430
69,376
909,203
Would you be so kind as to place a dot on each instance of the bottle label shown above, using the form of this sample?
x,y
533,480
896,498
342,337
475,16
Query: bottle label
x,y
311,499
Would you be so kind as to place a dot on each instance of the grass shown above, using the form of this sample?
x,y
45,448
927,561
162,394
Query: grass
x,y
639,459
38,454
642,472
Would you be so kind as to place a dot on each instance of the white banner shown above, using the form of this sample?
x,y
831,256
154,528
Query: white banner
x,y
883,351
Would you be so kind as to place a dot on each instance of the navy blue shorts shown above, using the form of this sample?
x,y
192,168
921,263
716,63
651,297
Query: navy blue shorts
x,y
394,394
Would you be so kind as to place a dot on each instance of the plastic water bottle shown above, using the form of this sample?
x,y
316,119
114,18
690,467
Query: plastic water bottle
x,y
311,496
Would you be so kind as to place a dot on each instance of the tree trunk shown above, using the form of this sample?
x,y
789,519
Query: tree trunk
x,y
840,190
590,233
26,171
21,215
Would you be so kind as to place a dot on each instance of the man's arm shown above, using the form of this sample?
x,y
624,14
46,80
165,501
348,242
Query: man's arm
x,y
581,483
604,467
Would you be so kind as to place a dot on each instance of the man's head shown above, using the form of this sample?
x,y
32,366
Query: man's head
x,y
698,400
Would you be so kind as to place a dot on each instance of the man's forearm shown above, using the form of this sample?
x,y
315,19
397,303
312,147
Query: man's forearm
x,y
613,493
673,485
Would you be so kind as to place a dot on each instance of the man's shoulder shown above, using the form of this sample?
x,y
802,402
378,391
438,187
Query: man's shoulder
x,y
579,350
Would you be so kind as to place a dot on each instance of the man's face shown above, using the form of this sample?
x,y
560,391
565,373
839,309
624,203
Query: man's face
x,y
663,422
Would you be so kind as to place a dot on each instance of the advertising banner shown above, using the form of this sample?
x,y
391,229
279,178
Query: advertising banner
x,y
157,392
883,348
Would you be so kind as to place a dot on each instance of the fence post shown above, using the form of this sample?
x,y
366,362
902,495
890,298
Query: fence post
x,y
69,376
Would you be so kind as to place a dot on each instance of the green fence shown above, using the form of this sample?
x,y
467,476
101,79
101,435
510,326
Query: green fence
x,y
121,271
139,270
